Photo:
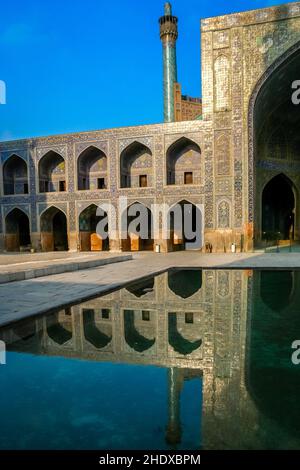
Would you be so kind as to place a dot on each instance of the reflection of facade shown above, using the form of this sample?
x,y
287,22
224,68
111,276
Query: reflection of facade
x,y
195,333
237,160
231,329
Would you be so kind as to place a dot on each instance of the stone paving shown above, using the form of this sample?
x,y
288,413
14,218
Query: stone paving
x,y
17,267
40,295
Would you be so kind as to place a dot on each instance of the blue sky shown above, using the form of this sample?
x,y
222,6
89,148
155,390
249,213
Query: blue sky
x,y
92,64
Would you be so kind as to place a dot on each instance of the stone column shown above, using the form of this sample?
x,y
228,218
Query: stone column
x,y
36,241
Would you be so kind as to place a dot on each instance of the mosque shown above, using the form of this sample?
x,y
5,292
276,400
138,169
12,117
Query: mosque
x,y
235,151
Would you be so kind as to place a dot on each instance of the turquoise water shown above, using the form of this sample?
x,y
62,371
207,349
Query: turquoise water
x,y
187,360
58,403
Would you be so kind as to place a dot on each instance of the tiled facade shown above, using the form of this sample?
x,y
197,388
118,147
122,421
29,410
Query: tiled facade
x,y
239,54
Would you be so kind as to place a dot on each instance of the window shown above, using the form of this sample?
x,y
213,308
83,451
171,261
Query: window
x,y
189,317
25,188
62,186
101,183
83,183
105,313
143,181
188,177
146,315
68,311
46,186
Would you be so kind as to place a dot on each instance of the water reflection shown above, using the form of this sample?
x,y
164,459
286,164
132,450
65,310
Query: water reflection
x,y
276,288
273,381
181,344
222,341
96,332
185,283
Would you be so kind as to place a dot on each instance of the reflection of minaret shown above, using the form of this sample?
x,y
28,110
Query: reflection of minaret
x,y
173,432
168,35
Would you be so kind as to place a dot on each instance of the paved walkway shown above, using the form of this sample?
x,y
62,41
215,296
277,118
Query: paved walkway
x,y
40,295
20,266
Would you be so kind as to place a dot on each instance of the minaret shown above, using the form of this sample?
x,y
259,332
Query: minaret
x,y
168,36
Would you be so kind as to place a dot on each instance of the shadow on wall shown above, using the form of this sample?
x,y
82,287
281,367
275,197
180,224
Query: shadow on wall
x,y
276,139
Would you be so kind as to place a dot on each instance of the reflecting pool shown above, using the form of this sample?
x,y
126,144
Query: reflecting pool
x,y
189,359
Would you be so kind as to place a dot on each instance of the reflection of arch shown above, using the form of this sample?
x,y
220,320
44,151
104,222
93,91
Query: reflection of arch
x,y
185,283
177,341
92,333
185,221
141,288
15,179
136,166
51,170
183,162
272,379
139,238
54,234
278,208
89,239
92,169
132,337
57,331
26,337
17,230
276,289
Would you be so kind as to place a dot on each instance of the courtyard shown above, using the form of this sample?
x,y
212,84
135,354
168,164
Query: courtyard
x,y
48,292
149,261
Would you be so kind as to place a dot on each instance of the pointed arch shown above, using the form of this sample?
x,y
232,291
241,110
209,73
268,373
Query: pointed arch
x,y
17,230
90,240
266,111
53,206
54,232
15,175
97,334
185,220
178,342
133,338
278,209
137,228
141,288
183,162
52,173
185,283
136,166
92,169
59,328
